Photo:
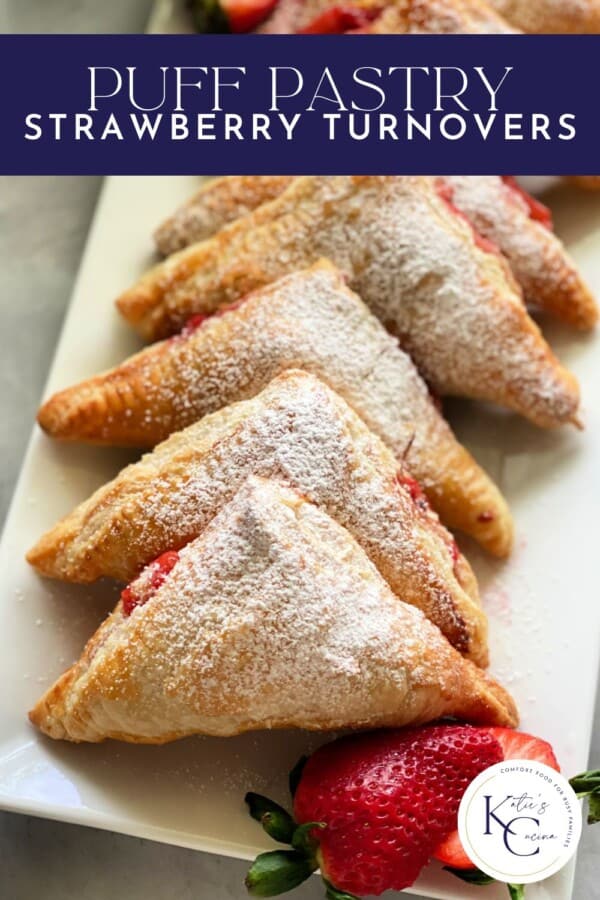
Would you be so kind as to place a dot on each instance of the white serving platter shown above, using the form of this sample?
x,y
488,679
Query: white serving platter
x,y
542,604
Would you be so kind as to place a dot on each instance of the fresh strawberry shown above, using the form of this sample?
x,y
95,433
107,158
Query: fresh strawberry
x,y
371,808
514,745
237,16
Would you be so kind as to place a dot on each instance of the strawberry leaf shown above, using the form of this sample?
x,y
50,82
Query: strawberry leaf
x,y
594,808
303,839
586,783
208,15
277,872
332,892
516,891
471,876
278,823
296,774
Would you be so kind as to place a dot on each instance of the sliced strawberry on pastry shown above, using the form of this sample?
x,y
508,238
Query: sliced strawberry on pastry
x,y
236,16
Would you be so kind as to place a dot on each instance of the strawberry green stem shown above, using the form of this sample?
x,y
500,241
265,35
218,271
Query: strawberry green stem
x,y
208,15
278,871
278,823
332,893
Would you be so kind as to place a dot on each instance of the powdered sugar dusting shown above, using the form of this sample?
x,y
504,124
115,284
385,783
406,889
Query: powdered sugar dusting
x,y
538,259
548,16
454,307
298,430
272,617
311,320
216,204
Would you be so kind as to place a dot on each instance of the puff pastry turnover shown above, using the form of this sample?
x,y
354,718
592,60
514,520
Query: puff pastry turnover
x,y
298,430
454,306
308,319
498,209
551,16
522,228
272,618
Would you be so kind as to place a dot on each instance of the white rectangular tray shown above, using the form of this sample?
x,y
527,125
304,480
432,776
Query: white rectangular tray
x,y
542,604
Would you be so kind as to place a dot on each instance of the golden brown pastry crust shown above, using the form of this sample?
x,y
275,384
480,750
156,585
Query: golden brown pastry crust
x,y
218,202
307,320
272,618
547,275
588,182
551,16
299,430
455,307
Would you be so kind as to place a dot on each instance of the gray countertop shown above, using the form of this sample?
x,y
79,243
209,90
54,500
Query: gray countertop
x,y
43,225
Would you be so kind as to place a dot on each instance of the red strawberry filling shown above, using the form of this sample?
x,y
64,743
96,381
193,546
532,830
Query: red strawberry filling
x,y
413,487
537,211
454,551
160,568
340,19
197,321
446,194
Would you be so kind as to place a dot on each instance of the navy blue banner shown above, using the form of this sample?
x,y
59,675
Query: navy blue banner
x,y
93,104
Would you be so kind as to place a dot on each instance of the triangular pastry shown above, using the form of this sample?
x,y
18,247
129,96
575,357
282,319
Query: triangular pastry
x,y
217,203
418,265
272,618
299,430
309,320
519,225
522,229
551,16
386,17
